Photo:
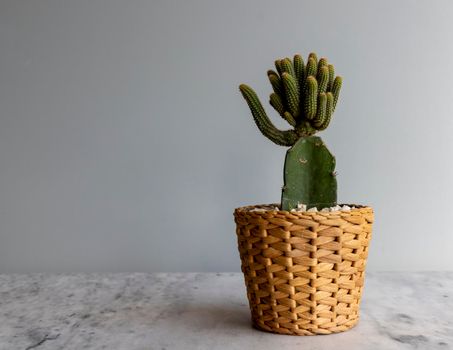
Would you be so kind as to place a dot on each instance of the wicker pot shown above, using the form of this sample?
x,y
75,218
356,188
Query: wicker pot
x,y
304,271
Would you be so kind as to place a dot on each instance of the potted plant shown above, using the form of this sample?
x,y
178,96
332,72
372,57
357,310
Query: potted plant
x,y
303,259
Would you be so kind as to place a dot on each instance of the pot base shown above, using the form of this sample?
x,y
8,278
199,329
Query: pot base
x,y
320,331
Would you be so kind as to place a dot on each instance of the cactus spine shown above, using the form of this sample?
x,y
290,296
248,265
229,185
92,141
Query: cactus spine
x,y
305,95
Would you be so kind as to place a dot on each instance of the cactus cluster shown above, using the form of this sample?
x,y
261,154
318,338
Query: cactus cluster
x,y
305,95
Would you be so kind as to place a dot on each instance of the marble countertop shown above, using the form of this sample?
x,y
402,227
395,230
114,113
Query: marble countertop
x,y
162,311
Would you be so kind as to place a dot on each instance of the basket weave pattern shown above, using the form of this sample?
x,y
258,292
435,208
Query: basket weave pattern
x,y
304,271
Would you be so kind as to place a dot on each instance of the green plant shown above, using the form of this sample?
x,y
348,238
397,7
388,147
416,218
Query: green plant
x,y
305,95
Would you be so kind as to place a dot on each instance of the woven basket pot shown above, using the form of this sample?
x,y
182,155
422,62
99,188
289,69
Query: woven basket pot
x,y
304,271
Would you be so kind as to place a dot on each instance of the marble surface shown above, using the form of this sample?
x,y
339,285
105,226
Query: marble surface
x,y
207,311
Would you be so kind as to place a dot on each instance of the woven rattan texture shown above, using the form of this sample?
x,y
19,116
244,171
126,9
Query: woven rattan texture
x,y
304,271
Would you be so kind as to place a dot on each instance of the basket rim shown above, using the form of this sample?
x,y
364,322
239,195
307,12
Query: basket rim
x,y
247,210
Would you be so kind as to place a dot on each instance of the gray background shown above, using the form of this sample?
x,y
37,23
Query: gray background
x,y
125,144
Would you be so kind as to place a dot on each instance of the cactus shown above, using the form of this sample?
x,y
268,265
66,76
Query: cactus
x,y
305,95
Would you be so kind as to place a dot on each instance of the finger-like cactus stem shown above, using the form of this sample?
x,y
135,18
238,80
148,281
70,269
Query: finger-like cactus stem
x,y
271,71
278,66
329,111
336,87
314,56
289,118
322,62
277,103
311,69
305,96
331,76
287,67
283,138
311,97
309,175
299,69
321,111
323,79
277,84
291,93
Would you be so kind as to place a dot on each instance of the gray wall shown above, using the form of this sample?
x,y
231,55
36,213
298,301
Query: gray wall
x,y
125,144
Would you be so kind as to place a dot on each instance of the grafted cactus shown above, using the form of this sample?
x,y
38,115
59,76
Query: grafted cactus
x,y
305,95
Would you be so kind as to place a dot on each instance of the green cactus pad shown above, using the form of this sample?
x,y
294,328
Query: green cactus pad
x,y
309,176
